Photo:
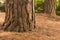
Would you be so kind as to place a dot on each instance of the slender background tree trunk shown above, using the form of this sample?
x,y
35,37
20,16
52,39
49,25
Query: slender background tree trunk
x,y
19,15
50,7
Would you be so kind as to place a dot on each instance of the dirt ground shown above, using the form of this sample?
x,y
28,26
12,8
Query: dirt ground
x,y
47,28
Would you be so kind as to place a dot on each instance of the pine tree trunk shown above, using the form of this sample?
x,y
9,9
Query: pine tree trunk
x,y
19,16
50,7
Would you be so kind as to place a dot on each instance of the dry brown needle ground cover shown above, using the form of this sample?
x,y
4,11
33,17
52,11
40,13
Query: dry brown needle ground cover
x,y
47,28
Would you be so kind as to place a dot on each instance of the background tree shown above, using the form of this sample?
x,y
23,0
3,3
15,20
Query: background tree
x,y
19,16
50,7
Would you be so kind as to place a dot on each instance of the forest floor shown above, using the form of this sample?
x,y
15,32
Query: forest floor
x,y
47,28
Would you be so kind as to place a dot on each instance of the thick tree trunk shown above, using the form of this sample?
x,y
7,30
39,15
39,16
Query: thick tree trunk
x,y
50,7
19,16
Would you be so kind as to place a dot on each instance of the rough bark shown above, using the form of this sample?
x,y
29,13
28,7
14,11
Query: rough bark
x,y
50,7
19,16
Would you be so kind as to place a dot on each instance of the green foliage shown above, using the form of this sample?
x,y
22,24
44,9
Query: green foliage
x,y
39,5
58,8
2,6
58,13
